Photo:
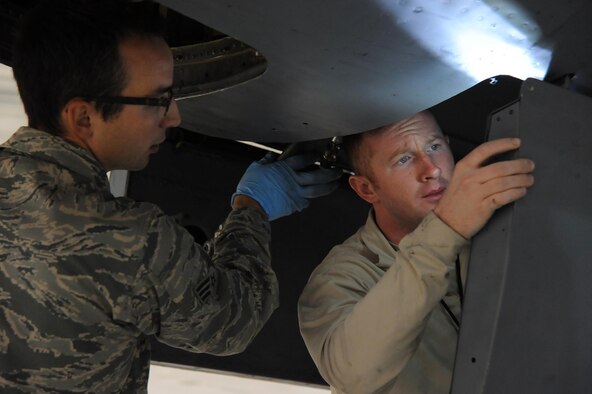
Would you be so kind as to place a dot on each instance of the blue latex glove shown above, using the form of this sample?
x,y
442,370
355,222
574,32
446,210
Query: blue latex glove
x,y
280,188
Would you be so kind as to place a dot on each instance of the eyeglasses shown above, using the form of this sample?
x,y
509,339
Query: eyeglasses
x,y
149,101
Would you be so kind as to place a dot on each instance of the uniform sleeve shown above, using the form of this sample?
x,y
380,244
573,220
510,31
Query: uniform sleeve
x,y
361,329
212,302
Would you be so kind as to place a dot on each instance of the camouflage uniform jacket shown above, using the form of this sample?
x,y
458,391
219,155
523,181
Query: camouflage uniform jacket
x,y
86,277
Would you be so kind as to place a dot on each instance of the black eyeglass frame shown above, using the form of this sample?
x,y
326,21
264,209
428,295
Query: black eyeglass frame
x,y
149,101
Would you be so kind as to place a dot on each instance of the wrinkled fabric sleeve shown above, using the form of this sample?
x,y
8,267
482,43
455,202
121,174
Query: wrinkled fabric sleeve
x,y
212,302
360,329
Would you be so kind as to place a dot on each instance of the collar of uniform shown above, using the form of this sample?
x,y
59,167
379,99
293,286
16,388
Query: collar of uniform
x,y
51,148
375,240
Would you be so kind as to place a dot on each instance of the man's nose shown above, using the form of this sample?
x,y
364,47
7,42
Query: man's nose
x,y
173,117
429,169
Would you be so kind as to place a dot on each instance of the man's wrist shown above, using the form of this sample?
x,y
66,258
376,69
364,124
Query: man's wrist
x,y
242,200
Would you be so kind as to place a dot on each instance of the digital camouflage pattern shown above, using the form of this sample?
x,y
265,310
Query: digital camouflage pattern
x,y
86,277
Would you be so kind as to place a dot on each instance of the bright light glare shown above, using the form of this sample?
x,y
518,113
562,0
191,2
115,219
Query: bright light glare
x,y
473,37
482,56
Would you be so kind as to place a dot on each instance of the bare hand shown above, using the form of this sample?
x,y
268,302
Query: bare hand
x,y
476,191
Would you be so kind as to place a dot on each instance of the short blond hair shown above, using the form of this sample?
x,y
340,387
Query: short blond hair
x,y
359,154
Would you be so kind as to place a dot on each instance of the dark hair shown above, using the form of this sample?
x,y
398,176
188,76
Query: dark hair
x,y
70,48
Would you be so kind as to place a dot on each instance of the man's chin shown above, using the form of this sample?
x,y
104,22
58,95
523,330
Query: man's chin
x,y
138,166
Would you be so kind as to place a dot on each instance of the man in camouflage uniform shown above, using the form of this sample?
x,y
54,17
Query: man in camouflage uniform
x,y
85,278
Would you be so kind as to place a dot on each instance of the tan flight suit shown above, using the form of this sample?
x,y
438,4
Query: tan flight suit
x,y
371,315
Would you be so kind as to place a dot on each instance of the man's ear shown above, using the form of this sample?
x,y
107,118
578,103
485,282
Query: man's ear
x,y
76,118
363,188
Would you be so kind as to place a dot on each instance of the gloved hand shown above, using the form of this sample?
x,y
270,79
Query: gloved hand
x,y
280,188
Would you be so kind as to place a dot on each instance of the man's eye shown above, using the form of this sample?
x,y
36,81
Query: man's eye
x,y
435,147
403,160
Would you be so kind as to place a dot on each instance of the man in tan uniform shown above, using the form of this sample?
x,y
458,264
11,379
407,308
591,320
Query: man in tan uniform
x,y
381,313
